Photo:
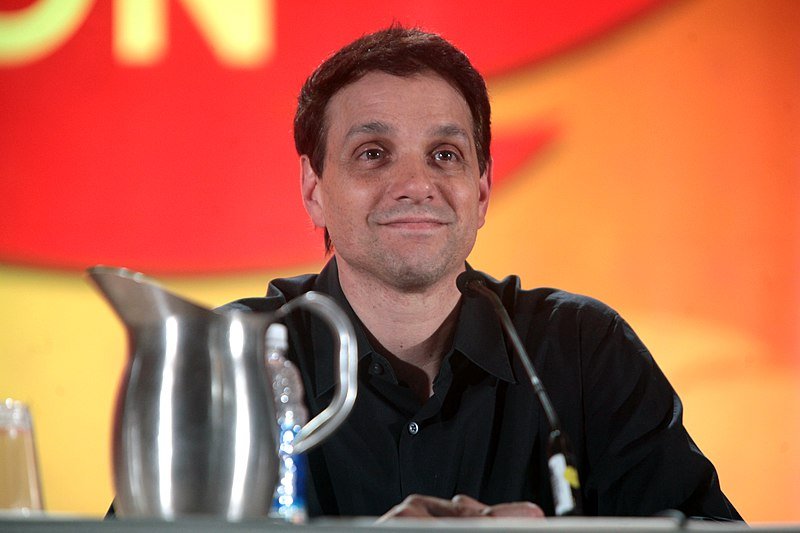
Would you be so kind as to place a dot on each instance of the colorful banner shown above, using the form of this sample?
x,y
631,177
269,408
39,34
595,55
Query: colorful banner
x,y
646,154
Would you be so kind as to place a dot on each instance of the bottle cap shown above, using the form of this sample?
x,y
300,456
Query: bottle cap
x,y
277,337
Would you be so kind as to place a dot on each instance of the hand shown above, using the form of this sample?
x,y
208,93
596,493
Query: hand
x,y
461,506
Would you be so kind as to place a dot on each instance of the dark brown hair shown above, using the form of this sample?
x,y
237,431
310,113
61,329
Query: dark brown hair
x,y
398,51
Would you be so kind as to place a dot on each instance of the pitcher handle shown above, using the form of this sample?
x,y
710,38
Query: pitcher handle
x,y
345,366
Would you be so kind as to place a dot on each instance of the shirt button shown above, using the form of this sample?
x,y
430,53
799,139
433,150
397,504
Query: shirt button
x,y
413,428
376,369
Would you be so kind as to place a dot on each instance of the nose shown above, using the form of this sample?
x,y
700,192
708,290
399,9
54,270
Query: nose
x,y
413,183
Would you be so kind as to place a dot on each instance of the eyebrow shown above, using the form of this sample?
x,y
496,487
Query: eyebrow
x,y
451,130
444,130
369,127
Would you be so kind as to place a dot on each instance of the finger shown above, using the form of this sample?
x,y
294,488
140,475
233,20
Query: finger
x,y
468,506
418,506
438,506
521,509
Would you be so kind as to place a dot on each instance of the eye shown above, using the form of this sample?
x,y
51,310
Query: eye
x,y
372,154
446,156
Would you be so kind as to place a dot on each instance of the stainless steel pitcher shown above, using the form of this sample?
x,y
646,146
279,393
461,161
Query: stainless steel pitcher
x,y
195,431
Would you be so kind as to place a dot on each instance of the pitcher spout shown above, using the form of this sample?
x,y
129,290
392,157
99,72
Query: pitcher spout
x,y
139,300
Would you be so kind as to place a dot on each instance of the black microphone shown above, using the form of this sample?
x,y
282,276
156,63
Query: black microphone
x,y
564,478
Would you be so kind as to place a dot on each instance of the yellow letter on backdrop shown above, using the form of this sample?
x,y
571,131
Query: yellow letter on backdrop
x,y
240,32
29,34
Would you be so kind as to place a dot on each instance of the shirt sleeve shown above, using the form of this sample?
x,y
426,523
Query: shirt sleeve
x,y
640,458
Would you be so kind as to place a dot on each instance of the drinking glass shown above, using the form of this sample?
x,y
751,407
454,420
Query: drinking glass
x,y
20,490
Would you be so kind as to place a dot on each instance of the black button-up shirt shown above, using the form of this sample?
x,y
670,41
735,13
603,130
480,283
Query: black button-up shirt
x,y
482,432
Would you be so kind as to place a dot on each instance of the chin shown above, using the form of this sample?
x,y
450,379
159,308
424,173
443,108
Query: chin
x,y
416,277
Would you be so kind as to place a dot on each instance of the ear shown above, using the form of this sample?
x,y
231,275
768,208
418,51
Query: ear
x,y
484,188
311,189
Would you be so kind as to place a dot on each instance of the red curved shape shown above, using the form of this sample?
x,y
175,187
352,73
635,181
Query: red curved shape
x,y
188,165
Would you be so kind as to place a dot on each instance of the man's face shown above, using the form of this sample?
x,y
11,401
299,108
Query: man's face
x,y
400,193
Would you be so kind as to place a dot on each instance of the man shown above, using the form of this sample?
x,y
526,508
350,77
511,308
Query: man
x,y
393,136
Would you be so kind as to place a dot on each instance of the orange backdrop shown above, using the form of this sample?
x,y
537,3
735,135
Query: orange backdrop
x,y
647,154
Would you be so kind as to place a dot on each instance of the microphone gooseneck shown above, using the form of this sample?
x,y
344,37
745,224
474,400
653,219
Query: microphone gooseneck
x,y
472,284
563,472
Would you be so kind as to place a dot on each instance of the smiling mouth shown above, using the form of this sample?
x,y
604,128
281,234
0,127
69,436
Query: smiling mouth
x,y
410,219
414,223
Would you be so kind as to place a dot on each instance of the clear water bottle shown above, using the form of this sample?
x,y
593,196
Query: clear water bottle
x,y
289,502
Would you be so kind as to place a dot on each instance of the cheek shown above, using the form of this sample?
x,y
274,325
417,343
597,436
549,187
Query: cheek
x,y
354,200
465,200
343,210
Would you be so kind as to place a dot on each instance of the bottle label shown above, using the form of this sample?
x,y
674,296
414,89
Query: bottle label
x,y
289,502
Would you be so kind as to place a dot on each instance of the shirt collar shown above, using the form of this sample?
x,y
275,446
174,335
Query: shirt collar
x,y
321,337
478,336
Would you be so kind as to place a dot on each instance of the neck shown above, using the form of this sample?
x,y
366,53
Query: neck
x,y
414,330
